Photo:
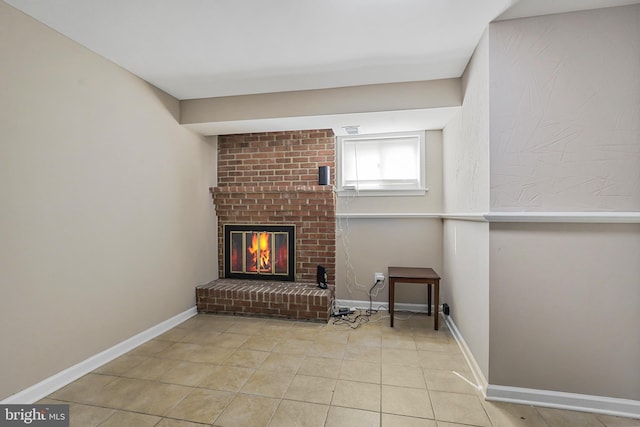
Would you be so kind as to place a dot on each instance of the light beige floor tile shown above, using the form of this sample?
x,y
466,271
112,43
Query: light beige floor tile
x,y
327,349
559,418
245,410
290,345
357,370
170,422
357,395
459,408
267,383
187,373
144,396
151,368
311,389
151,347
279,330
442,380
124,418
299,414
349,417
175,335
229,340
320,367
246,358
210,354
412,402
202,336
305,331
86,389
366,339
364,353
392,356
443,361
510,415
121,365
202,406
403,376
333,335
279,362
400,342
227,378
438,344
87,416
448,424
181,350
247,327
217,323
392,420
260,342
611,421
193,354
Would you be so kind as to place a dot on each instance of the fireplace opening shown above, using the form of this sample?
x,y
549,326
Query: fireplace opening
x,y
261,252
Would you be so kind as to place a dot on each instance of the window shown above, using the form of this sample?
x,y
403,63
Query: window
x,y
386,164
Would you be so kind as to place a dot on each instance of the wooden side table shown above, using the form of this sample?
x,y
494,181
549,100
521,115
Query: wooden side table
x,y
423,276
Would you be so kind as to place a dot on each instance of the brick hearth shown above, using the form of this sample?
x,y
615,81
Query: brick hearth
x,y
302,301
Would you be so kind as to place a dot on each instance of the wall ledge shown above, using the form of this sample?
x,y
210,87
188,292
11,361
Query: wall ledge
x,y
524,217
57,381
566,217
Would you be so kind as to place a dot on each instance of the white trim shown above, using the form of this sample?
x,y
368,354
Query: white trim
x,y
388,215
480,379
480,217
523,217
62,378
565,217
364,305
567,401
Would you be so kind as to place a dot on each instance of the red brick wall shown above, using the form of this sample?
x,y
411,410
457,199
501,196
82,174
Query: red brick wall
x,y
272,178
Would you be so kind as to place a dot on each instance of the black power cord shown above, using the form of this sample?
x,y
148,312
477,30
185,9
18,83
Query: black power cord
x,y
355,322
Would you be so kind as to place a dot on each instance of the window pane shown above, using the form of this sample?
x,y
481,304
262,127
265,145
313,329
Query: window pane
x,y
382,162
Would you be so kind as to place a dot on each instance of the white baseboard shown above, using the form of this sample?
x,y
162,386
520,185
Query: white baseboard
x,y
479,377
49,385
364,305
567,401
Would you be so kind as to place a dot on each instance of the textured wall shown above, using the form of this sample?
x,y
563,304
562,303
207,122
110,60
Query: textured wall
x,y
466,190
565,136
565,112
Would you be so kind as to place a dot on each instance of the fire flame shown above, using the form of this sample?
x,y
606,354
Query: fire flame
x,y
260,251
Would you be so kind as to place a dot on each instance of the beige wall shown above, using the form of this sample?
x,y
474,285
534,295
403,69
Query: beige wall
x,y
565,136
106,220
370,245
466,191
564,308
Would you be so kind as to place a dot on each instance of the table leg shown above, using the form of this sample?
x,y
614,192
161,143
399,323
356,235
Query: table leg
x,y
392,291
436,292
428,299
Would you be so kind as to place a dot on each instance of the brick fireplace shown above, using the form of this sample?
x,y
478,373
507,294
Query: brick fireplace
x,y
271,179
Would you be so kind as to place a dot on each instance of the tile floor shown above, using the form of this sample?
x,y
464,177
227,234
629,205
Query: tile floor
x,y
234,371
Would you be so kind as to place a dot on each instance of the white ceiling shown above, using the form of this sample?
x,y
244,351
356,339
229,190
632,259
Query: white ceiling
x,y
208,48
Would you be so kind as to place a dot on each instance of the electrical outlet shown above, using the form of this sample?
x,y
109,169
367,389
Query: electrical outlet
x,y
378,276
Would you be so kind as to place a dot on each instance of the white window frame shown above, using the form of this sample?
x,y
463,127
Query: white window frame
x,y
383,188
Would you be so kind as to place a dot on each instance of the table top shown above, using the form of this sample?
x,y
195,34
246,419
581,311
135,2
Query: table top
x,y
413,273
